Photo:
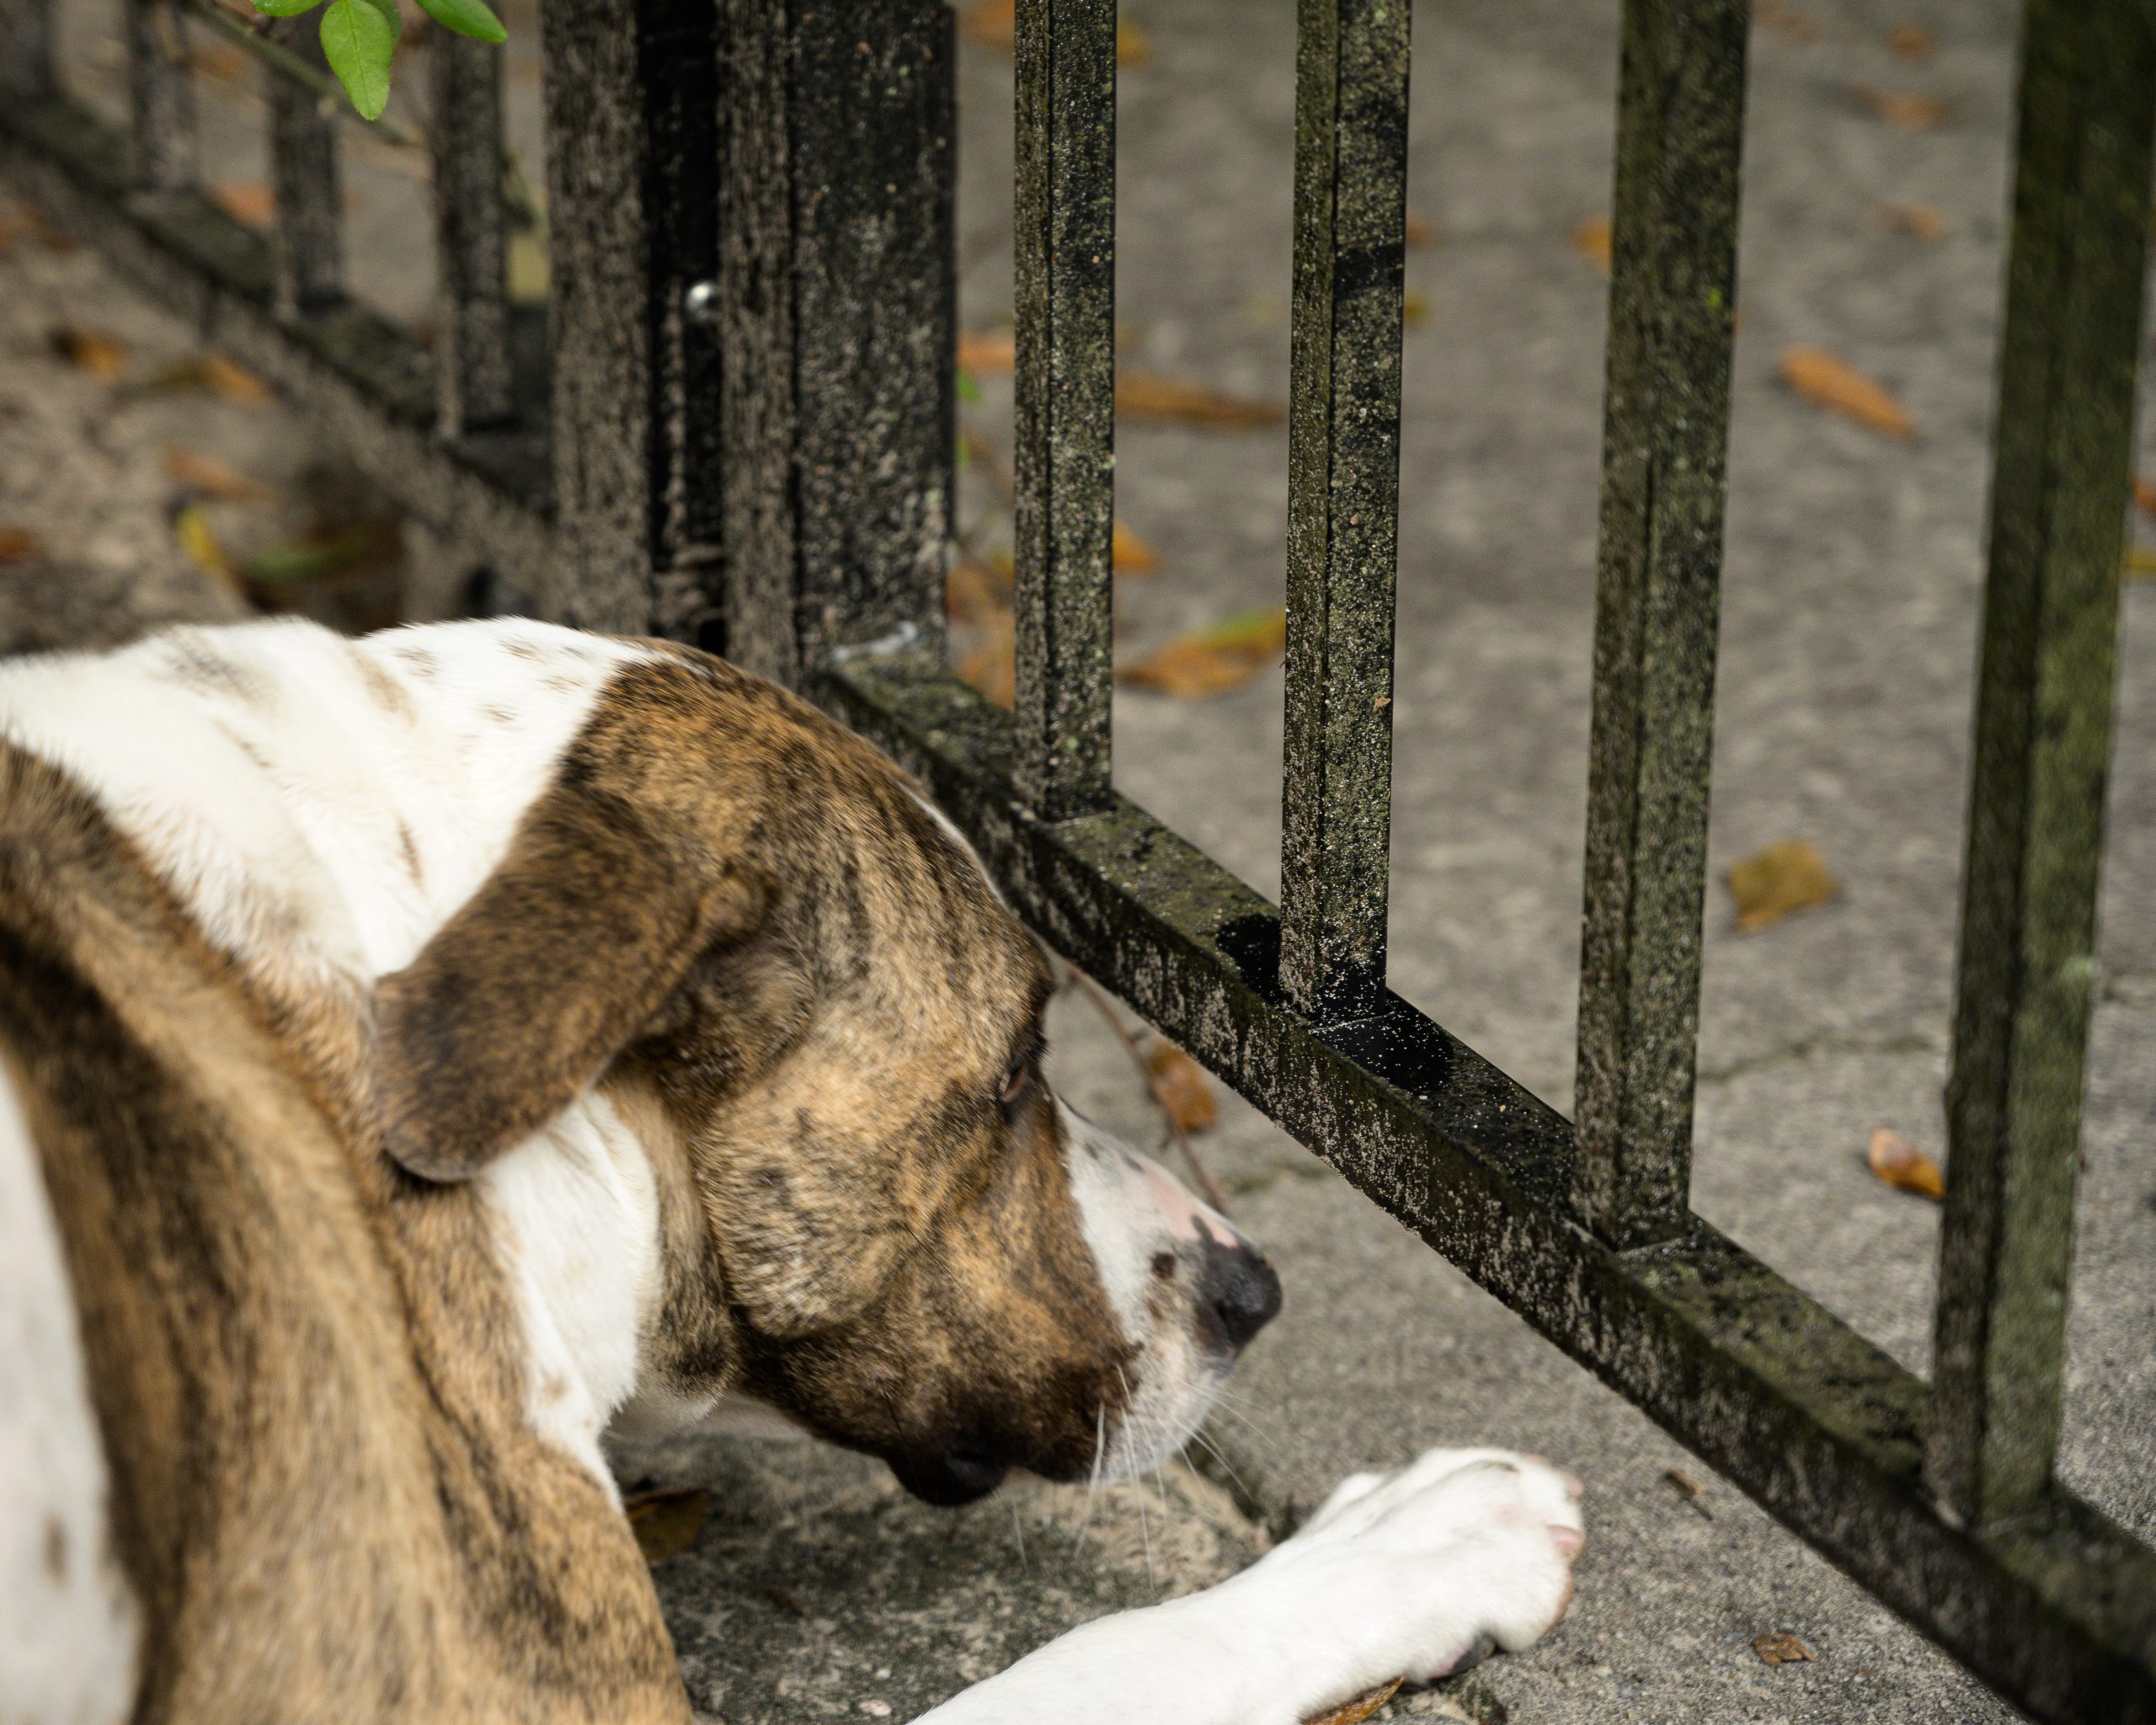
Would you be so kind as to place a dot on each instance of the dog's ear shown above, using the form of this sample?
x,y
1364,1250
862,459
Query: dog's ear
x,y
560,958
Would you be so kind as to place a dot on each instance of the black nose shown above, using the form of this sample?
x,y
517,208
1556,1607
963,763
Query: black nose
x,y
1239,1289
951,1478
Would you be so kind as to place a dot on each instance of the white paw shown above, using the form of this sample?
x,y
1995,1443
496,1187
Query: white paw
x,y
1402,1574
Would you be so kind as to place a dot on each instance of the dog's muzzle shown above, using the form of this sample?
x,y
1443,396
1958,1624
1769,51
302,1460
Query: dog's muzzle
x,y
1238,1292
950,1480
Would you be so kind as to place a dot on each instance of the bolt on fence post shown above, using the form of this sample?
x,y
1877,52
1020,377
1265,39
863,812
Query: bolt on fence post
x,y
632,188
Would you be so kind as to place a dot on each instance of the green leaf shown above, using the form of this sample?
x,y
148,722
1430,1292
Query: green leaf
x,y
468,18
358,43
285,8
388,9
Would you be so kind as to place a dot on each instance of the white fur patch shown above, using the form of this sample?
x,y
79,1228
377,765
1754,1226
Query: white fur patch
x,y
1131,1209
285,781
1394,1575
69,1628
579,1207
322,806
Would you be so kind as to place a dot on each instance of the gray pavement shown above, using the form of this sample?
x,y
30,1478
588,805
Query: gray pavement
x,y
1844,711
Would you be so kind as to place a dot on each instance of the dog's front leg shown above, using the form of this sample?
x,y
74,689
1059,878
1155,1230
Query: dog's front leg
x,y
1396,1576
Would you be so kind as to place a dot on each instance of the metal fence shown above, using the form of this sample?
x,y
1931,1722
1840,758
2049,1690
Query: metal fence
x,y
739,431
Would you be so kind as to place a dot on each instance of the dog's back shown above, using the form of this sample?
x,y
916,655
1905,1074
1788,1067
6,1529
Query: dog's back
x,y
262,1384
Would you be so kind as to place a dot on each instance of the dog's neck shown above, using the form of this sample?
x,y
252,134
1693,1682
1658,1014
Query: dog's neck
x,y
321,807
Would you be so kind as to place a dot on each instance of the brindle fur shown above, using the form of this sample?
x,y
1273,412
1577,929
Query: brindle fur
x,y
328,1495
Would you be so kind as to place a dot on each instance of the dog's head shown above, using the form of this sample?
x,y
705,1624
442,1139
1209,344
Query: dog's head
x,y
799,986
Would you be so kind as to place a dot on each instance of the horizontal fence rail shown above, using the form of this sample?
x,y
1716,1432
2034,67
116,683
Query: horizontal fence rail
x,y
740,431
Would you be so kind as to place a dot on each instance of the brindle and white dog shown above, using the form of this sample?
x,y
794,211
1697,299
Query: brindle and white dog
x,y
417,1052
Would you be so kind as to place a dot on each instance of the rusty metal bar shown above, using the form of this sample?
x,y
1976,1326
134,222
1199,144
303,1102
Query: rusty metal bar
x,y
471,351
306,238
1064,303
1665,436
161,130
1343,500
2026,965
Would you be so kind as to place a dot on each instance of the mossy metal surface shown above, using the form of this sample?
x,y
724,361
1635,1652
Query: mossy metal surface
x,y
2057,1611
2027,962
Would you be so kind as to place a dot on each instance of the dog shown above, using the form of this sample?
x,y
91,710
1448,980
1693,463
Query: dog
x,y
418,1052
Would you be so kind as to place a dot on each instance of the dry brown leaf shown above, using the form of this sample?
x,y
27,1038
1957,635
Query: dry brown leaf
x,y
1180,1086
224,61
992,666
198,543
1910,112
233,382
103,358
1920,221
1359,1709
17,544
250,202
1831,383
974,592
1778,882
1785,20
994,24
1781,1649
2144,495
206,473
1130,554
1146,395
1900,1164
988,353
666,1524
1421,231
22,221
1591,240
1212,661
1912,41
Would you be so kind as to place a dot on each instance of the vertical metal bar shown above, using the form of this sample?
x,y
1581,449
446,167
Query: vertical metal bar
x,y
1665,438
837,327
1343,500
160,131
2027,962
306,246
472,360
1064,303
26,49
625,165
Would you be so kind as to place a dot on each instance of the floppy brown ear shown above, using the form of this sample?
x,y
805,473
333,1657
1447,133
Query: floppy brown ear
x,y
519,1002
